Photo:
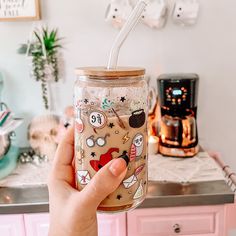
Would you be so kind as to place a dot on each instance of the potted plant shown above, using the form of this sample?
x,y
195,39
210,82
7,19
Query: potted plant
x,y
43,50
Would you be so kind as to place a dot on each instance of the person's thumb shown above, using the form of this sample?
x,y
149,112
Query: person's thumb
x,y
104,182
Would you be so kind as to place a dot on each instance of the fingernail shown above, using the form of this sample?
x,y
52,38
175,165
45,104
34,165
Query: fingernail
x,y
118,166
125,157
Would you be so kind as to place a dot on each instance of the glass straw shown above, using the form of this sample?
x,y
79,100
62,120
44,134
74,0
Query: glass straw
x,y
124,32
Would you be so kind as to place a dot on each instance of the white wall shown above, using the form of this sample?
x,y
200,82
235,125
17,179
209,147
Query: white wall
x,y
209,49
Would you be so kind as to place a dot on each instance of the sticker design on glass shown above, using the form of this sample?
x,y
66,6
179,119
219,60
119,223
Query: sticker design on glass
x,y
79,153
83,177
138,143
139,169
93,154
137,119
132,153
139,192
126,138
111,125
130,181
107,104
79,126
86,101
120,122
122,99
97,119
100,141
104,159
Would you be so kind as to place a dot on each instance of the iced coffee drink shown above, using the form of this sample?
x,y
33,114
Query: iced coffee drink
x,y
111,122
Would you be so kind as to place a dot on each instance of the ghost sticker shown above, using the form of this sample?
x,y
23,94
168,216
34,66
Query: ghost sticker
x,y
138,143
139,192
104,159
83,177
137,119
97,119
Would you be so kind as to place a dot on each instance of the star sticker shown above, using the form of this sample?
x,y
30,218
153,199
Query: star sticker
x,y
122,99
86,101
119,197
111,125
93,154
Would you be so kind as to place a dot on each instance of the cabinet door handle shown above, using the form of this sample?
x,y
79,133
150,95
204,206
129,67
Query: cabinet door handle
x,y
177,228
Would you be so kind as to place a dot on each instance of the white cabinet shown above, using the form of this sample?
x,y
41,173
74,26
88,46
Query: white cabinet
x,y
112,225
12,225
36,224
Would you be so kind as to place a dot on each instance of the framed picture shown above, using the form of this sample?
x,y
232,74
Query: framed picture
x,y
14,10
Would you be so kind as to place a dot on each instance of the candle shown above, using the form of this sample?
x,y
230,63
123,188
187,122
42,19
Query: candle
x,y
152,145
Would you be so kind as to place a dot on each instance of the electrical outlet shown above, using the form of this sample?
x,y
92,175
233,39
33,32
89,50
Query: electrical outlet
x,y
186,12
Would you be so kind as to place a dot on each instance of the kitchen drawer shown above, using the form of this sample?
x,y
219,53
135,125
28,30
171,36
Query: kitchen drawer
x,y
36,224
12,225
187,221
112,224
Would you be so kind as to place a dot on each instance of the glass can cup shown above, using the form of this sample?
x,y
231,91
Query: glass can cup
x,y
111,109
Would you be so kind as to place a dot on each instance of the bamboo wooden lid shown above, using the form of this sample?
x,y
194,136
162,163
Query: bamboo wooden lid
x,y
101,72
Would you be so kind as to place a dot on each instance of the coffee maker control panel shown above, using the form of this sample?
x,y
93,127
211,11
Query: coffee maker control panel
x,y
176,96
178,92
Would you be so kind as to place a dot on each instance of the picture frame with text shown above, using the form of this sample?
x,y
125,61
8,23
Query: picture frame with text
x,y
19,10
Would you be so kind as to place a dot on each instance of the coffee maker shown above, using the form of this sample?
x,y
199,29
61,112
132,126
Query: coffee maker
x,y
178,136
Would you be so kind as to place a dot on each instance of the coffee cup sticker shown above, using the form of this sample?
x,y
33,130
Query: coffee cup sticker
x,y
97,119
137,119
